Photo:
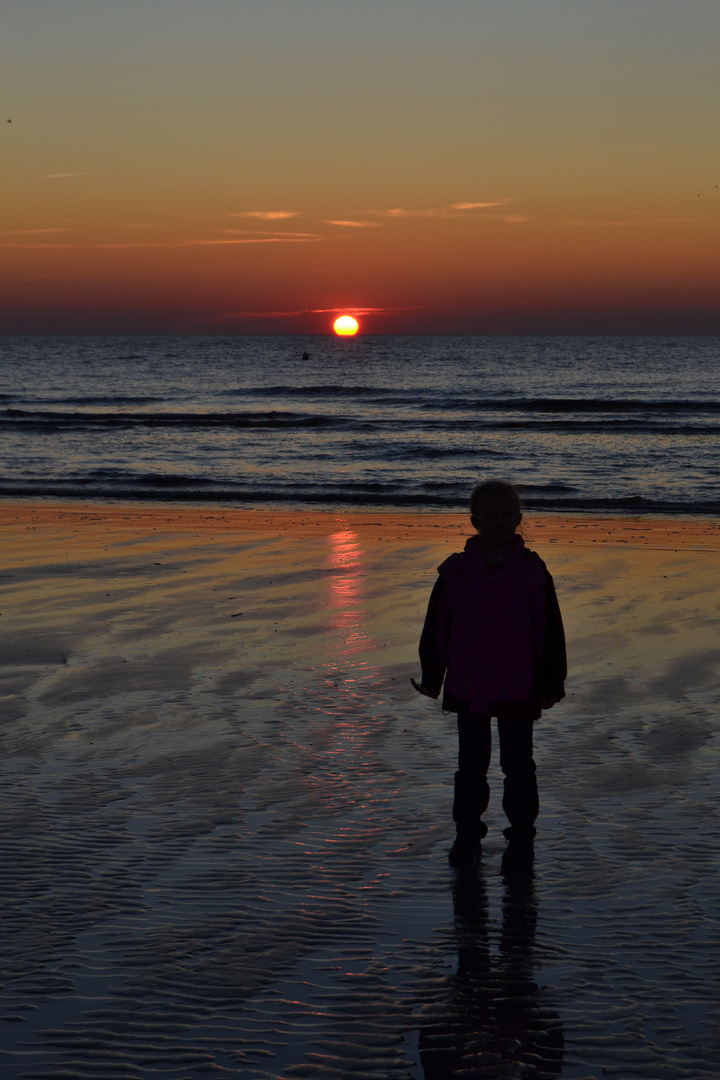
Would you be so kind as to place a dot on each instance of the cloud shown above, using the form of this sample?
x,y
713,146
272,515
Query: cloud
x,y
478,205
266,215
452,210
114,245
356,224
259,235
347,309
437,211
261,238
401,212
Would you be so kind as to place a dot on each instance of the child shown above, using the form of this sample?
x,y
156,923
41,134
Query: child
x,y
494,635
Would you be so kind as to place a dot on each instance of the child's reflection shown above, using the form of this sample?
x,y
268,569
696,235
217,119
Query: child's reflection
x,y
494,1021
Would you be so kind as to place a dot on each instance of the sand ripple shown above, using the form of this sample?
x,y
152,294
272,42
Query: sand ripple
x,y
237,867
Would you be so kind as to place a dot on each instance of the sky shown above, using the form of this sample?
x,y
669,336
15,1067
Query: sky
x,y
430,166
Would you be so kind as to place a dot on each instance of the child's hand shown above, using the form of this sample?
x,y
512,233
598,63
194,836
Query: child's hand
x,y
422,689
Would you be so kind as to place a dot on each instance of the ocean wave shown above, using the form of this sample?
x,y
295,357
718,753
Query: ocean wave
x,y
50,420
56,420
457,402
313,390
603,426
573,405
106,399
164,488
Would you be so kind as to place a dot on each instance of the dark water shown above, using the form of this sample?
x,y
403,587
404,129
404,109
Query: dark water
x,y
584,424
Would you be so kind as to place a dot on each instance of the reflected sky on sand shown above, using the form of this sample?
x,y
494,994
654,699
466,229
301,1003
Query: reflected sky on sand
x,y
225,818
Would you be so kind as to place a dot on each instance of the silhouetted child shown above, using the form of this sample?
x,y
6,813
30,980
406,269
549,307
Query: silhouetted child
x,y
493,635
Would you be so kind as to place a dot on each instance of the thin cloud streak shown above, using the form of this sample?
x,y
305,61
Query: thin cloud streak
x,y
356,224
453,210
291,239
478,205
255,233
400,212
266,215
63,175
345,310
128,245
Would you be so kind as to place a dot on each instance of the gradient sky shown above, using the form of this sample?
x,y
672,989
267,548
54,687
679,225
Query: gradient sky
x,y
432,166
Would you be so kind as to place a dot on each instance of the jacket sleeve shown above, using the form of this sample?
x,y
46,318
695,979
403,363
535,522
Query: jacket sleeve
x,y
553,658
433,668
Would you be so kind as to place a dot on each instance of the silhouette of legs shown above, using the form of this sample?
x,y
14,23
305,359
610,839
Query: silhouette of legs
x,y
520,794
472,794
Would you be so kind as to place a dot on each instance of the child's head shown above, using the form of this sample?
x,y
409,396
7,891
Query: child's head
x,y
495,511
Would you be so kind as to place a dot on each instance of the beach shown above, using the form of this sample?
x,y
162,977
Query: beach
x,y
226,814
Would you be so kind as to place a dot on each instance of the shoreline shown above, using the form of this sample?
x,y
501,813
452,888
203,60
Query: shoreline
x,y
660,532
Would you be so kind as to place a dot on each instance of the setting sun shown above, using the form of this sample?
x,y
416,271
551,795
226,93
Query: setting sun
x,y
346,326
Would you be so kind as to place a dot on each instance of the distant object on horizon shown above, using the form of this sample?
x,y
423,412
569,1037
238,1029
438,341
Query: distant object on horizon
x,y
346,326
306,356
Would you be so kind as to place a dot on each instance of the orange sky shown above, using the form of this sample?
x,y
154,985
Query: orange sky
x,y
543,166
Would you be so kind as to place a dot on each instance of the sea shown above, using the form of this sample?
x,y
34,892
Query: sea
x,y
580,424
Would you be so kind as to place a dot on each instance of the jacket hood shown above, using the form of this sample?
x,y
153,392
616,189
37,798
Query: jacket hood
x,y
473,551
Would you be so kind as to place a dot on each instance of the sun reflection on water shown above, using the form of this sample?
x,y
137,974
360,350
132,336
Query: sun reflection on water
x,y
348,613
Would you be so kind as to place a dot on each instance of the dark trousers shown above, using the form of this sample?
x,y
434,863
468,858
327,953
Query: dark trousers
x,y
472,794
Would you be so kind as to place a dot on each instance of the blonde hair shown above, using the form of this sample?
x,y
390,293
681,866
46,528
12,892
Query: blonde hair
x,y
493,487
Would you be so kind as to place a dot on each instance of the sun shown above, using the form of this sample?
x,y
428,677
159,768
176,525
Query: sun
x,y
346,326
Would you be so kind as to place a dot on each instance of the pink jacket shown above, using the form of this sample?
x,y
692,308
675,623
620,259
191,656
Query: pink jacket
x,y
496,637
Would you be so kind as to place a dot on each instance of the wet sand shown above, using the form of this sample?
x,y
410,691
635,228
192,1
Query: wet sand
x,y
225,813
